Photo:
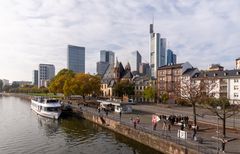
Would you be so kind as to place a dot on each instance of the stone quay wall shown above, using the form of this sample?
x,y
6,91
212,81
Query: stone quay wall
x,y
146,138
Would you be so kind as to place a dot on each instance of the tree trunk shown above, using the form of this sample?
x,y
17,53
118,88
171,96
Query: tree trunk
x,y
224,122
194,114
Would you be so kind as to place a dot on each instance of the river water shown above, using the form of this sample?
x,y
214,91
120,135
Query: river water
x,y
23,131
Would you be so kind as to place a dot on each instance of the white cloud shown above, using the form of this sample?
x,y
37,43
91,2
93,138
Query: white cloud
x,y
38,31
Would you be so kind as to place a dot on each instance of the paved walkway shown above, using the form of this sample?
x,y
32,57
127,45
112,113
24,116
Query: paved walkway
x,y
208,131
204,115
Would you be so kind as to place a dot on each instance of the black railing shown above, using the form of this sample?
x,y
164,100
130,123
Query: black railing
x,y
162,134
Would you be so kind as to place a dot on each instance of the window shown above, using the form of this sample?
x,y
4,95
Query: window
x,y
235,87
235,80
235,94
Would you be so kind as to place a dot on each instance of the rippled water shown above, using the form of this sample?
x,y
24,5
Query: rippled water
x,y
22,131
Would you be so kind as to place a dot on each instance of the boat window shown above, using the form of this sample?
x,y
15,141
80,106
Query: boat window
x,y
53,109
52,101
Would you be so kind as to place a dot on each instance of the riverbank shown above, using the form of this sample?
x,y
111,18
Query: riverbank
x,y
160,141
23,131
22,96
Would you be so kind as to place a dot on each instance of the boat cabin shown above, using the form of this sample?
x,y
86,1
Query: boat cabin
x,y
116,106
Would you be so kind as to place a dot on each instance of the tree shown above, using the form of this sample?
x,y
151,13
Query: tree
x,y
123,87
149,93
222,108
84,84
95,83
15,85
6,88
57,83
194,91
67,88
164,97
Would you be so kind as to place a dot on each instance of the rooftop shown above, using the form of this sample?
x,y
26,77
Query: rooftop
x,y
170,66
219,74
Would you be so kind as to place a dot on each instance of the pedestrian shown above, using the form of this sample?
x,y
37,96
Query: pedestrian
x,y
169,127
106,112
194,132
182,126
120,115
138,120
164,125
223,145
154,126
134,123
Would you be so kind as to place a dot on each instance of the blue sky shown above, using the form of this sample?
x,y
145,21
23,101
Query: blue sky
x,y
38,31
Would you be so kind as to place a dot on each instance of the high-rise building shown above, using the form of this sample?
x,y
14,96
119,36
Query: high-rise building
x,y
174,59
76,59
157,49
106,58
135,61
171,57
163,52
238,63
45,73
102,67
144,69
35,77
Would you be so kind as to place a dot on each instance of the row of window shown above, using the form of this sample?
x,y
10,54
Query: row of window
x,y
163,72
140,87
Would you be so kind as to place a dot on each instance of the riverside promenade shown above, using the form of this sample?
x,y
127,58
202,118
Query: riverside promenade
x,y
144,112
206,133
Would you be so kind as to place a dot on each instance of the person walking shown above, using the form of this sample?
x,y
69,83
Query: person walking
x,y
223,145
194,132
120,115
154,126
134,123
138,120
182,126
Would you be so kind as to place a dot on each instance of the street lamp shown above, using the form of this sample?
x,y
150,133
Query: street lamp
x,y
218,108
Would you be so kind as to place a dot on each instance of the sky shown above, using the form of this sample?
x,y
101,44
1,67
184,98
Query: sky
x,y
201,32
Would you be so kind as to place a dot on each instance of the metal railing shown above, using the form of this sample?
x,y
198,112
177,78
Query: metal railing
x,y
162,134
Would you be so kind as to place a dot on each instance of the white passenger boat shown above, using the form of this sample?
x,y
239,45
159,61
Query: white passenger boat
x,y
50,108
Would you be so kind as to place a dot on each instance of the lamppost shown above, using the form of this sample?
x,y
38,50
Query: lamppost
x,y
218,108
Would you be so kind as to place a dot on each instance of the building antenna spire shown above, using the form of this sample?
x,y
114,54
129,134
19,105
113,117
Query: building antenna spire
x,y
153,19
151,25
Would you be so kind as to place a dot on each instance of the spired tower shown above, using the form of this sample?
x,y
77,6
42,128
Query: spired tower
x,y
157,50
116,70
128,67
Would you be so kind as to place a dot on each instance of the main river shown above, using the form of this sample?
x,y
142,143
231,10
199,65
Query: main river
x,y
22,131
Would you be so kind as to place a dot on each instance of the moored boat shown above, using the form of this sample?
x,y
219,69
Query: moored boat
x,y
50,108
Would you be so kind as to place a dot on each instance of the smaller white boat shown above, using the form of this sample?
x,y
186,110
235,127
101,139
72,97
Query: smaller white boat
x,y
50,108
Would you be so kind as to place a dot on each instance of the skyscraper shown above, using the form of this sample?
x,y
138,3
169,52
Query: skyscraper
x,y
35,77
144,69
171,57
135,60
45,73
157,49
76,59
102,67
106,58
